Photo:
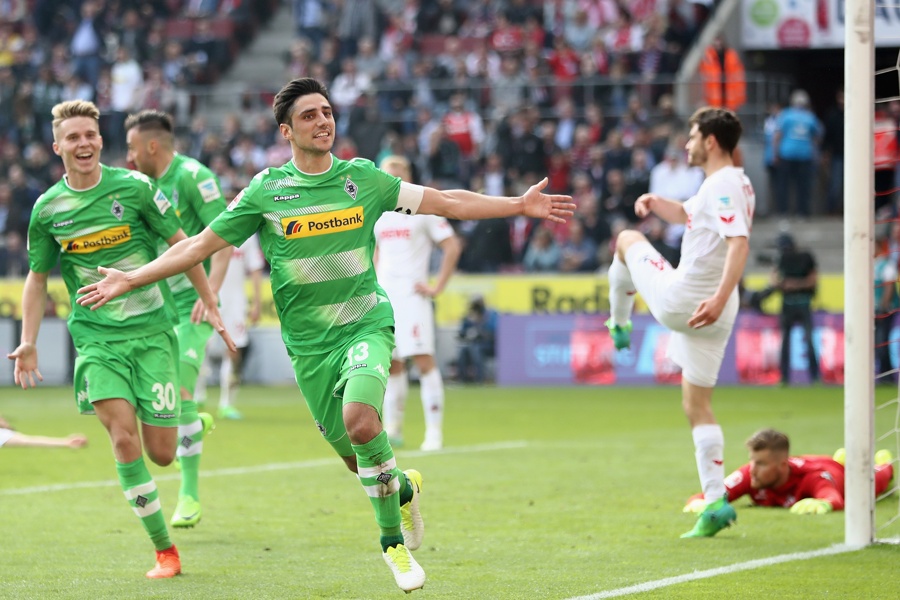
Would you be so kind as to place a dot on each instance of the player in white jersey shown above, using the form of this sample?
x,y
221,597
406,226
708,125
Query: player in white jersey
x,y
246,261
404,244
698,301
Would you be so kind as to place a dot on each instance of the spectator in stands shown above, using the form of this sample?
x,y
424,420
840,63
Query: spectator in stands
x,y
367,128
464,127
677,179
722,74
125,94
522,151
796,140
508,89
445,160
770,125
543,253
311,21
579,33
833,154
440,17
579,252
358,19
87,44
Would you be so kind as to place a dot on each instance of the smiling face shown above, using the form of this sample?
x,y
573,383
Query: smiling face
x,y
78,143
312,125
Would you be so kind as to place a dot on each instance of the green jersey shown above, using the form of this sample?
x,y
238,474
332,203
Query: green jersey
x,y
116,224
195,193
317,233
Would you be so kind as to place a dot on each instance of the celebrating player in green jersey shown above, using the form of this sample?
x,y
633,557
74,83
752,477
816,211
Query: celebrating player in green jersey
x,y
197,198
127,367
315,217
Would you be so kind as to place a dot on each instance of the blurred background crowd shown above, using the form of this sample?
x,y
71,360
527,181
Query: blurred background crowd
x,y
490,95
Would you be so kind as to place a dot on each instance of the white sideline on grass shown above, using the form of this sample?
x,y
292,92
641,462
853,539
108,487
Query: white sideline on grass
x,y
726,570
306,464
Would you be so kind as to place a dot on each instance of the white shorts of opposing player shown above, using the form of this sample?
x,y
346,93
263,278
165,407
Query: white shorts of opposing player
x,y
672,299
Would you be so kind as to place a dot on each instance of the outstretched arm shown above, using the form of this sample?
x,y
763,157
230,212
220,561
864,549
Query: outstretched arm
x,y
464,205
34,301
197,274
178,259
184,256
23,440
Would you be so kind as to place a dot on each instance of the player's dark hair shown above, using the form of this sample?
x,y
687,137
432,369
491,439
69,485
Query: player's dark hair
x,y
769,439
150,120
283,105
720,123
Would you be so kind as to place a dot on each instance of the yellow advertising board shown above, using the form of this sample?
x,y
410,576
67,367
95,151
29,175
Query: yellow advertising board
x,y
515,294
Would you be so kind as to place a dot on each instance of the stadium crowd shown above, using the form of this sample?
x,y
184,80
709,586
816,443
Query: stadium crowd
x,y
485,94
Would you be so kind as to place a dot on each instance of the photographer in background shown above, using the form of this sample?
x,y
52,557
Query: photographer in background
x,y
476,341
796,277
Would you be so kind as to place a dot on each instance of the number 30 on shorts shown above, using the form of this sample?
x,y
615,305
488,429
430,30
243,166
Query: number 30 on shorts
x,y
165,396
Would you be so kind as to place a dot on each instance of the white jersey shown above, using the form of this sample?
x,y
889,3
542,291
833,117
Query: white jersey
x,y
5,435
722,208
404,248
233,293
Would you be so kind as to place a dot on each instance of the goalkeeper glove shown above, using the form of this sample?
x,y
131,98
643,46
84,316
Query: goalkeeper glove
x,y
811,506
695,506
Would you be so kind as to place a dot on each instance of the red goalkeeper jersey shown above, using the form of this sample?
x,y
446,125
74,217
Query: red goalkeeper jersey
x,y
810,477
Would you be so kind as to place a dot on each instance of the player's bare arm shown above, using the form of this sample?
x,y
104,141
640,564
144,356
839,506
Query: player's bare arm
x,y
709,311
218,266
465,205
670,211
452,250
34,300
182,257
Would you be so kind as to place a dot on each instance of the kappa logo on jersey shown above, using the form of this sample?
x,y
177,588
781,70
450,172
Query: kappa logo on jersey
x,y
335,221
351,188
285,198
117,210
97,241
64,223
162,203
209,191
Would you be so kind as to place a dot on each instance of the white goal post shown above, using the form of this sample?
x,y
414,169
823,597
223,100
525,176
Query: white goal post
x,y
859,310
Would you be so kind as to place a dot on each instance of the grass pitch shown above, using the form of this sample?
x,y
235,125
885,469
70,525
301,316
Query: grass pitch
x,y
541,493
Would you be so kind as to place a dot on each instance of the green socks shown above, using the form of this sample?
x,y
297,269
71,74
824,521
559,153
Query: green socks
x,y
143,497
381,479
190,447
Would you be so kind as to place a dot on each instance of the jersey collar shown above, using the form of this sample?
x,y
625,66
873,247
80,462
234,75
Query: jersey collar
x,y
296,168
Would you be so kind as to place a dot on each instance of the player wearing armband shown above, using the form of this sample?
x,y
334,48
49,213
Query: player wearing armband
x,y
808,485
315,217
698,301
127,367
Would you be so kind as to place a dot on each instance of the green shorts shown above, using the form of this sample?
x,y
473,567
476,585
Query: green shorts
x,y
142,370
322,378
192,338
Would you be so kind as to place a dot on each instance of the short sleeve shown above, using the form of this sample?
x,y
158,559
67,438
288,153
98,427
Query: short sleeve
x,y
730,210
43,249
242,218
439,228
159,213
206,197
5,435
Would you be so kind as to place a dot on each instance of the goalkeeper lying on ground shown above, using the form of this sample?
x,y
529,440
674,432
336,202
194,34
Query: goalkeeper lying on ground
x,y
808,485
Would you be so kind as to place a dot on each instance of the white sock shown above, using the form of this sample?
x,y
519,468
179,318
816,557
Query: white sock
x,y
433,402
621,292
225,398
395,404
709,445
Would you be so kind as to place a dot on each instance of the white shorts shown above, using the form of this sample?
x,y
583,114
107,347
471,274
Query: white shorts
x,y
413,324
672,300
